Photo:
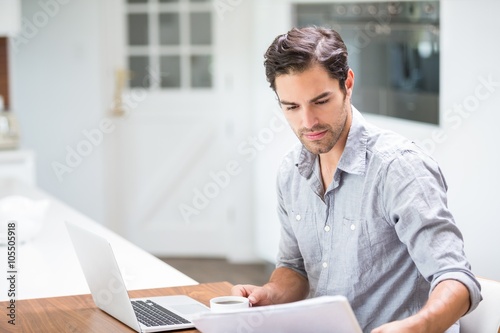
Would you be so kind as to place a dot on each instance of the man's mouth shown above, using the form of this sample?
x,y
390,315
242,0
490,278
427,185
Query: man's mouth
x,y
313,136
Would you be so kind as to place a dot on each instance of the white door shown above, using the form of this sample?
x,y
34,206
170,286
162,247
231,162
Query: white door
x,y
175,184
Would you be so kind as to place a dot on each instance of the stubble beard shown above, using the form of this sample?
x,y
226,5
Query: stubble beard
x,y
328,141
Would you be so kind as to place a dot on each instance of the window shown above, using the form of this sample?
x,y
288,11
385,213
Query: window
x,y
394,50
170,44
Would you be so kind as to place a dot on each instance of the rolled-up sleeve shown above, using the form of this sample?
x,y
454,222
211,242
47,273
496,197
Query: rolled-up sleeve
x,y
415,200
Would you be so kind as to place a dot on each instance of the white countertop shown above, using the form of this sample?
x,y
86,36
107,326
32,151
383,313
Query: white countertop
x,y
47,265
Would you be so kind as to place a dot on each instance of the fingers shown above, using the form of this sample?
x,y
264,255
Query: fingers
x,y
256,295
242,290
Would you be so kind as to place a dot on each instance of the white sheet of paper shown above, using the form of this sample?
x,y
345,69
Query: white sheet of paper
x,y
319,315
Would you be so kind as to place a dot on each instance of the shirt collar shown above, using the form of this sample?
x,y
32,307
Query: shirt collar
x,y
353,159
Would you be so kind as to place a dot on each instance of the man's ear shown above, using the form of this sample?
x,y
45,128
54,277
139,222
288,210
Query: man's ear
x,y
349,83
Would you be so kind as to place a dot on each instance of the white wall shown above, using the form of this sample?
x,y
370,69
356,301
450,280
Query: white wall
x,y
464,144
470,156
271,19
56,96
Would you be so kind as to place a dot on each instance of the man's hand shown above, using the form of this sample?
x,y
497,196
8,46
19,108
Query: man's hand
x,y
285,285
256,295
400,326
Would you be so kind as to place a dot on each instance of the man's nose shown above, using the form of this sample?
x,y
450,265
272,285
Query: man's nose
x,y
308,118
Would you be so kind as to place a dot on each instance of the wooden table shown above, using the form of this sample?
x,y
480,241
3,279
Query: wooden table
x,y
78,314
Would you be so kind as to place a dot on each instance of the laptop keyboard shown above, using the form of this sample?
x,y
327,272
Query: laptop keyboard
x,y
151,314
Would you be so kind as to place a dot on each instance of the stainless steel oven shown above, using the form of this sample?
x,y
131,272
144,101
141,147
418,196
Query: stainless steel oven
x,y
394,52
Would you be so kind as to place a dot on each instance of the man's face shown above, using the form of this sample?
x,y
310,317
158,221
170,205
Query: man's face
x,y
315,107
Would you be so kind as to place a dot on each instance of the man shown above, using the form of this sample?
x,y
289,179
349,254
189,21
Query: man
x,y
363,211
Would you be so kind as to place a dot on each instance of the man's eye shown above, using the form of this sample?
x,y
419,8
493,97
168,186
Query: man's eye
x,y
322,102
291,107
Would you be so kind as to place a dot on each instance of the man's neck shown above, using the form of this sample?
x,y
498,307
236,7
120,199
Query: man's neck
x,y
328,161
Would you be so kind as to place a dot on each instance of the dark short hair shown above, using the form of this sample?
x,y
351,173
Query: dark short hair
x,y
299,49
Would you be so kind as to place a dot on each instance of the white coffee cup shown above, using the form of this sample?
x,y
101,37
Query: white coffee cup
x,y
228,303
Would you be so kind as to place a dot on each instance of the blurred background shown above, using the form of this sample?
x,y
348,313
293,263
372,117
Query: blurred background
x,y
154,118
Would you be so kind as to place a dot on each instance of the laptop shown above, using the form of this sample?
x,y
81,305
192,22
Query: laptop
x,y
151,314
324,314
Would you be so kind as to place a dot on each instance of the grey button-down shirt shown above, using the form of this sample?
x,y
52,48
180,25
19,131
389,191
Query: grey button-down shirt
x,y
381,234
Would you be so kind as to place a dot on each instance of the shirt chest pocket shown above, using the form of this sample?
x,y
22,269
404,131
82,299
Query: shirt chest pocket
x,y
355,253
304,225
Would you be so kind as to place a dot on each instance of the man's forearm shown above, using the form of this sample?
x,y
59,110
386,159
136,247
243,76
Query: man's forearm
x,y
448,302
286,285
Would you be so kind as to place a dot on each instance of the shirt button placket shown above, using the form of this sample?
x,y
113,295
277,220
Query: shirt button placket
x,y
327,240
326,251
